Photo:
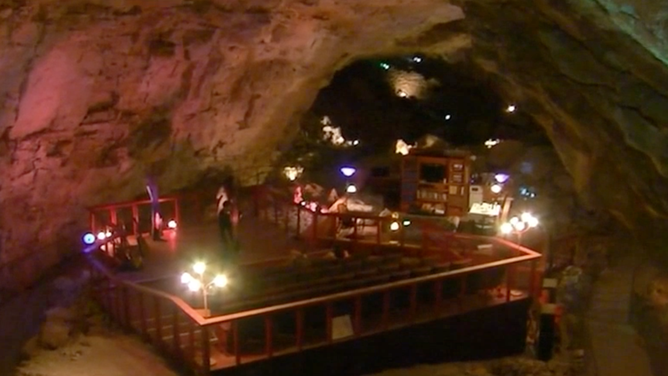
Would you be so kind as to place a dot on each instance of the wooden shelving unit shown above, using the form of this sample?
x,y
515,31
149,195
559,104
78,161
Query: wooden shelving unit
x,y
437,185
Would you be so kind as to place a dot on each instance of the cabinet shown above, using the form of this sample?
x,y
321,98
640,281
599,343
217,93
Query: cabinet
x,y
437,185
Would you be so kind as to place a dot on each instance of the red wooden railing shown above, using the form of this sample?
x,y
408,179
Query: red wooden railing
x,y
102,216
206,344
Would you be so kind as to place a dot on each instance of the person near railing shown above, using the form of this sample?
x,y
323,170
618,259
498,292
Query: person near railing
x,y
226,226
156,218
221,198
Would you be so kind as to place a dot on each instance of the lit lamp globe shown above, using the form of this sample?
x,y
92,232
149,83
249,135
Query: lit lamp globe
x,y
348,171
496,188
506,228
351,188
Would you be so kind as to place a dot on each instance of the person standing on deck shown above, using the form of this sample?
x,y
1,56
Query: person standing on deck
x,y
156,218
221,198
226,228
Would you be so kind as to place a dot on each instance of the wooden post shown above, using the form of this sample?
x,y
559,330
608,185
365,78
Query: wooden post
x,y
438,296
112,216
328,321
176,331
357,325
191,339
533,280
299,221
315,231
510,276
92,222
386,310
413,302
206,350
135,219
177,212
287,218
235,340
142,315
268,339
126,307
299,317
379,226
158,321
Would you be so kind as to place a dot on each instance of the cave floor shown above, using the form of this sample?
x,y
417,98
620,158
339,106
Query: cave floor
x,y
259,240
614,342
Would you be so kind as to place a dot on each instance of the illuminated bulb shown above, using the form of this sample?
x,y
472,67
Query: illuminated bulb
x,y
171,224
511,108
186,278
348,171
101,235
526,217
394,226
107,234
402,94
194,285
496,188
519,226
533,222
351,188
199,267
406,223
514,220
220,281
447,117
89,239
501,178
506,228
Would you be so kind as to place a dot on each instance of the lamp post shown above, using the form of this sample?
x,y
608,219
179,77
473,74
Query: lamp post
x,y
519,225
199,283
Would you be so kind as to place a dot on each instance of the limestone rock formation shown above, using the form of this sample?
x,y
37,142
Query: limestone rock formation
x,y
96,94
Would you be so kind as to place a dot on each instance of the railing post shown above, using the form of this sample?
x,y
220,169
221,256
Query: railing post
x,y
357,318
177,211
299,317
126,307
206,350
287,218
135,219
299,221
158,322
92,222
379,227
462,291
268,336
142,315
533,281
386,310
112,216
328,321
275,212
191,340
413,301
176,332
438,296
314,234
235,340
510,280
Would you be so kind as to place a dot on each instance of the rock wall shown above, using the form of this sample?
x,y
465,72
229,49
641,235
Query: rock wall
x,y
95,95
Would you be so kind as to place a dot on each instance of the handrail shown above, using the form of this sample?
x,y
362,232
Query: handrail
x,y
130,203
368,290
185,307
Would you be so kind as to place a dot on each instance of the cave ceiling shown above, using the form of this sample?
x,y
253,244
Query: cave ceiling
x,y
95,95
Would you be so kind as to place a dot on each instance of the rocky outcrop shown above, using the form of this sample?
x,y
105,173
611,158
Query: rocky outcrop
x,y
95,95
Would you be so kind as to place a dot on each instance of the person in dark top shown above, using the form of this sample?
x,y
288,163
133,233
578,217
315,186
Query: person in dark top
x,y
226,228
